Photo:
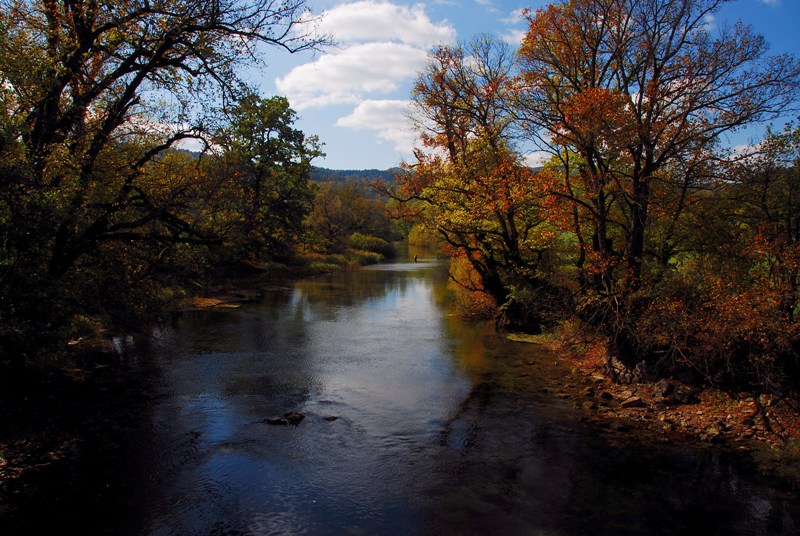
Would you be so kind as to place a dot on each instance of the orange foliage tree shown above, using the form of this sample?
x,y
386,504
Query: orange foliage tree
x,y
637,215
468,184
632,98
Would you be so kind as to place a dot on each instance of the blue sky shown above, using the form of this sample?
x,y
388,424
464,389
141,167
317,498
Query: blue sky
x,y
353,95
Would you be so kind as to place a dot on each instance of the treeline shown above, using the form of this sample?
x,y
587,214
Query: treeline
x,y
680,254
104,220
319,174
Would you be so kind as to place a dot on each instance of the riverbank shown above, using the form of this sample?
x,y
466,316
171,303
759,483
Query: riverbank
x,y
67,438
673,412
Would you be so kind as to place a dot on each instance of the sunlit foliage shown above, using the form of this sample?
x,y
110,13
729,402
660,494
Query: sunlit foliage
x,y
640,221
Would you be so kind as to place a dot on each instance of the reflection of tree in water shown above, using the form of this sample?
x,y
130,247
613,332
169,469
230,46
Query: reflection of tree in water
x,y
507,464
235,354
514,459
353,288
439,430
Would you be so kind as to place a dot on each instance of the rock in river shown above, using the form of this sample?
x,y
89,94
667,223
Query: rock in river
x,y
287,419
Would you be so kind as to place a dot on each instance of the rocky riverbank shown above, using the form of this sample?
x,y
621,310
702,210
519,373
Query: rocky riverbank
x,y
670,411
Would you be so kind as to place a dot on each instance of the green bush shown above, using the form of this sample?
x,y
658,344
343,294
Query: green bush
x,y
364,257
365,242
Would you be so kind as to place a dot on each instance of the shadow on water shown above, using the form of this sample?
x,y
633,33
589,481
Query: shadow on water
x,y
415,423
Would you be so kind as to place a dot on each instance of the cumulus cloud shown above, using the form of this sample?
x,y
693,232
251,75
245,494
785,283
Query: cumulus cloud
x,y
537,159
513,37
515,17
516,31
381,46
387,118
346,76
370,20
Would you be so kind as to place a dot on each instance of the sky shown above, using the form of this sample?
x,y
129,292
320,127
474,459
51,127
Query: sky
x,y
354,95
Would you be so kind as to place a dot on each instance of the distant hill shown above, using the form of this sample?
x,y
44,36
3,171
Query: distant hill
x,y
319,174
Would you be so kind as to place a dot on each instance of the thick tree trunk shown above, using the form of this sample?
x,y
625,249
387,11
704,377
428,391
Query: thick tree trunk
x,y
641,196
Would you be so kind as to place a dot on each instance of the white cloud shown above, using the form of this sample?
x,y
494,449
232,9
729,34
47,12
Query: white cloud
x,y
387,117
381,48
513,37
375,20
346,76
515,17
537,159
771,2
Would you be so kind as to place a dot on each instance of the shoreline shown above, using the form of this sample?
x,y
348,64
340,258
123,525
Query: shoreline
x,y
766,429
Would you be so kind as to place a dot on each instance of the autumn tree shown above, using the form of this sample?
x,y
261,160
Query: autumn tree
x,y
468,182
345,215
635,96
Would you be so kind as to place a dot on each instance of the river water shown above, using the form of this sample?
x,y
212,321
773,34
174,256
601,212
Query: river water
x,y
415,423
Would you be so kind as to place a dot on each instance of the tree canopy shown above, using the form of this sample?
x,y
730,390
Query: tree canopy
x,y
95,97
631,101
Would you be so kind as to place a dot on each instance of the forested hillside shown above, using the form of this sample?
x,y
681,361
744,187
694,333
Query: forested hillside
x,y
320,175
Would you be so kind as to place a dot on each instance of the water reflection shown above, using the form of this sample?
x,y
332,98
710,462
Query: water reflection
x,y
416,423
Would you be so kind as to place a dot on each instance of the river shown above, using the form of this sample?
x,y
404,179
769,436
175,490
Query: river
x,y
415,422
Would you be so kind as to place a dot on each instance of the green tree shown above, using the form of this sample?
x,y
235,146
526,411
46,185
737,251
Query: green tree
x,y
88,77
268,163
94,94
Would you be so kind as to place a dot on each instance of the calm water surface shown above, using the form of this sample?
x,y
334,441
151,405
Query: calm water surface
x,y
441,428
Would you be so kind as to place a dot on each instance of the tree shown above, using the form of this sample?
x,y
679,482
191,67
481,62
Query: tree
x,y
269,164
634,96
95,95
729,308
84,79
468,183
345,215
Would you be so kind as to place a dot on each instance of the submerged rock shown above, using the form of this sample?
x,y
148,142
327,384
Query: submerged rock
x,y
294,417
287,419
277,421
